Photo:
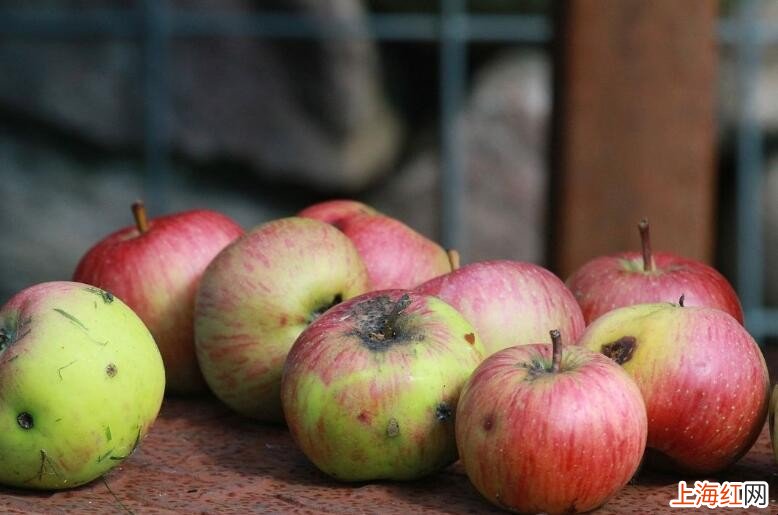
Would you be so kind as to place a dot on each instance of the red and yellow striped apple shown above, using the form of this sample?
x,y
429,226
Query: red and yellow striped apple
x,y
509,302
702,376
609,282
370,388
155,267
258,295
550,431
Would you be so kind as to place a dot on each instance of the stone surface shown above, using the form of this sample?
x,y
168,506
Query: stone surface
x,y
503,129
304,112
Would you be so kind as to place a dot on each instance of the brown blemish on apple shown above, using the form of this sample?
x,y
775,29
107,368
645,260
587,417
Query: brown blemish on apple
x,y
470,338
364,417
24,420
379,324
393,428
621,350
111,370
443,411
282,321
488,422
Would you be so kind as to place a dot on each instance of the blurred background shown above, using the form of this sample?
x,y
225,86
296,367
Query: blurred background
x,y
520,129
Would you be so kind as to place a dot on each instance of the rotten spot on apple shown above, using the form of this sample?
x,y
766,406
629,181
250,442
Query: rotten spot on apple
x,y
111,370
443,411
24,420
621,350
393,428
380,324
470,338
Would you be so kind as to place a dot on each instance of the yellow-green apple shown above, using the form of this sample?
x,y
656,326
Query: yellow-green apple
x,y
702,376
370,388
154,267
509,302
335,211
773,427
258,295
550,430
628,278
81,382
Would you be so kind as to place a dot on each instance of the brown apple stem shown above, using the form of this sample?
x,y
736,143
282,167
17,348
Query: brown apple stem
x,y
453,259
556,350
645,241
680,301
139,212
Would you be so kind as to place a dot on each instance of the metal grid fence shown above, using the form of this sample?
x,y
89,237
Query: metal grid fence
x,y
152,24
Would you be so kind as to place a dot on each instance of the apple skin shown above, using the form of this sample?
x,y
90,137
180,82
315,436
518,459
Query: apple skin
x,y
509,302
86,372
703,377
773,427
532,440
258,295
156,273
609,282
396,256
364,407
335,211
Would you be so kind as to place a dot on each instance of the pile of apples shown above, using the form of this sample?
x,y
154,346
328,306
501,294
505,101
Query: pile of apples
x,y
383,356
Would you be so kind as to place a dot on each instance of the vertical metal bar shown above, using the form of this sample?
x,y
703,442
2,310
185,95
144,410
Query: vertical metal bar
x,y
750,253
453,58
155,104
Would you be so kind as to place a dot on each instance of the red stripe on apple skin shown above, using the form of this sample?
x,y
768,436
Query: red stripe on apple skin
x,y
587,436
609,282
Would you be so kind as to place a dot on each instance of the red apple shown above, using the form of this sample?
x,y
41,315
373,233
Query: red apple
x,y
258,295
154,267
335,211
628,278
509,302
395,255
550,431
370,388
702,376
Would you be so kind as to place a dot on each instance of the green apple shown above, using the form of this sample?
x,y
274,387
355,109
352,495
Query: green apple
x,y
81,382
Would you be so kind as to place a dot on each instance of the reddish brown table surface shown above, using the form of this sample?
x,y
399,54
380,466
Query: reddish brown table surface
x,y
201,458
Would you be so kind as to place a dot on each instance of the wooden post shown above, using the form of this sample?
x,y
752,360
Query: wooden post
x,y
635,128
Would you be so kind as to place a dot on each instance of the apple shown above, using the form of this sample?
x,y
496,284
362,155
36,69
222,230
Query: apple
x,y
550,429
258,295
628,278
81,382
154,267
771,418
335,211
509,302
702,376
370,389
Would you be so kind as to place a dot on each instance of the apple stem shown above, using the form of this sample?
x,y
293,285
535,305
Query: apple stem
x,y
645,241
387,329
453,259
556,350
680,301
139,212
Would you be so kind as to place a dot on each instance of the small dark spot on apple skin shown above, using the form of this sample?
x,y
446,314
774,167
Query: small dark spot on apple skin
x,y
282,321
620,350
364,417
111,370
470,338
488,423
24,420
393,428
443,411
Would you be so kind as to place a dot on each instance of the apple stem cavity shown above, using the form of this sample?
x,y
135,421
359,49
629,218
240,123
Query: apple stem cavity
x,y
453,259
387,330
645,242
141,220
556,350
